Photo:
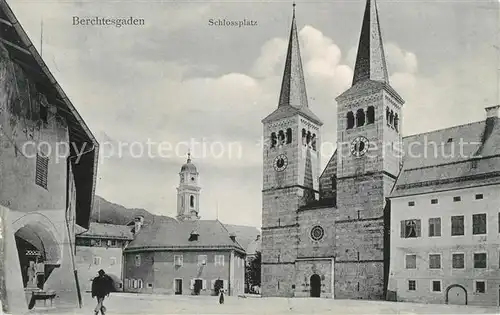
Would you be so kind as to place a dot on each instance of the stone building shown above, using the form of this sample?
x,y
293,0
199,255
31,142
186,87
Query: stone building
x,y
101,247
45,193
329,234
445,229
188,255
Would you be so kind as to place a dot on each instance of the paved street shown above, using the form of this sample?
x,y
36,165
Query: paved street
x,y
120,303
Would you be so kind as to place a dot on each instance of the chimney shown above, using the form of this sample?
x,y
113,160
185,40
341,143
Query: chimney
x,y
493,111
138,222
232,236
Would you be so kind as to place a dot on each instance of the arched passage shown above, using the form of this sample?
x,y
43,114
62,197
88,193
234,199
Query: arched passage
x,y
456,294
315,285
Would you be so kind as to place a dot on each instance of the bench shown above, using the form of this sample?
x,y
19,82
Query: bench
x,y
41,296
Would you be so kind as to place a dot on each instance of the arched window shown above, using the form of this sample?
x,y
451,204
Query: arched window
x,y
360,117
370,115
308,138
304,136
313,141
281,137
387,115
273,140
350,120
391,118
289,135
396,122
191,201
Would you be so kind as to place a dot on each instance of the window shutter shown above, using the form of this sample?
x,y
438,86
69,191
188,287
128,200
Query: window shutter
x,y
402,228
204,285
438,227
419,228
191,285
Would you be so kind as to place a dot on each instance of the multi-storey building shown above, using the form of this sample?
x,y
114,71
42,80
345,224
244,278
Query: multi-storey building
x,y
47,174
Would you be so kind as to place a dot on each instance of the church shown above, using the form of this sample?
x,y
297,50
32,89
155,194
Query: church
x,y
344,232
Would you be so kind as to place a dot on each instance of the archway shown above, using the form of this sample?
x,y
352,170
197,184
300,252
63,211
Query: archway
x,y
315,285
456,294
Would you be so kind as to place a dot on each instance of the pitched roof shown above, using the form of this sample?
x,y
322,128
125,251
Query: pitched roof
x,y
244,234
254,246
176,235
457,157
110,231
22,52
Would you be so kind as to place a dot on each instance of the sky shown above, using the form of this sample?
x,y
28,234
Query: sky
x,y
178,80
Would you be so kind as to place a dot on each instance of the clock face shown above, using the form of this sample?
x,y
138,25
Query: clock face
x,y
359,146
280,163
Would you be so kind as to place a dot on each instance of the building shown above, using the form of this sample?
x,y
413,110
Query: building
x,y
331,234
188,255
101,247
45,193
445,229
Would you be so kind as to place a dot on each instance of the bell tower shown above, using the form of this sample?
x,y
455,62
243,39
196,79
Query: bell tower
x,y
369,146
188,192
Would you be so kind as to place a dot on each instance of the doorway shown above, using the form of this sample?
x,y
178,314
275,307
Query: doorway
x,y
456,295
198,284
178,287
315,285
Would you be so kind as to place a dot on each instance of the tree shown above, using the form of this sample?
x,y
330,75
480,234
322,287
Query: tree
x,y
253,271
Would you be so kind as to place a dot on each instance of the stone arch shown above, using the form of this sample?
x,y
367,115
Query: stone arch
x,y
455,286
350,120
360,117
39,230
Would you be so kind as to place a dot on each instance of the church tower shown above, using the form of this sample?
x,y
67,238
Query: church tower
x,y
188,192
291,157
369,146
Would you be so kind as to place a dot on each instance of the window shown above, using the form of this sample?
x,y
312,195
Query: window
x,y
370,115
134,283
434,201
434,227
42,170
304,133
313,142
97,260
281,137
479,224
273,140
396,122
411,261
360,118
411,203
191,201
436,286
289,135
137,260
139,283
457,198
479,196
410,228
391,118
387,115
457,225
113,261
434,261
108,243
412,285
458,261
308,138
202,259
178,260
113,242
480,260
350,120
150,285
480,286
219,260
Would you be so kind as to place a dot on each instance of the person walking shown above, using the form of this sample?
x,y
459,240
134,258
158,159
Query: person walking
x,y
101,287
221,296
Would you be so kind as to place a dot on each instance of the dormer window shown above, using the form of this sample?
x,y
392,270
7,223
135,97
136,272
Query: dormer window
x,y
450,140
194,236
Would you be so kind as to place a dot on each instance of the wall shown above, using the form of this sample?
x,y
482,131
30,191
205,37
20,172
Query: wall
x,y
158,272
446,245
321,267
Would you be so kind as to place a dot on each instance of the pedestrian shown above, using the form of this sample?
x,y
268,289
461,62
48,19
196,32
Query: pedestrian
x,y
102,285
221,296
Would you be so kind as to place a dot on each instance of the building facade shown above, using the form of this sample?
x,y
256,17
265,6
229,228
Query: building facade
x,y
101,247
45,192
187,256
338,233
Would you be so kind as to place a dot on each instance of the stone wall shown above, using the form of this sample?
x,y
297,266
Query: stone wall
x,y
306,268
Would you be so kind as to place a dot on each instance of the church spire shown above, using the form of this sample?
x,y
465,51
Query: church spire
x,y
370,61
293,87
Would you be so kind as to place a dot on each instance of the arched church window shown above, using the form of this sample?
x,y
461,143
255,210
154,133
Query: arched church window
x,y
360,117
308,138
289,135
191,201
396,122
281,137
350,120
391,118
313,141
304,136
273,140
387,115
370,115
